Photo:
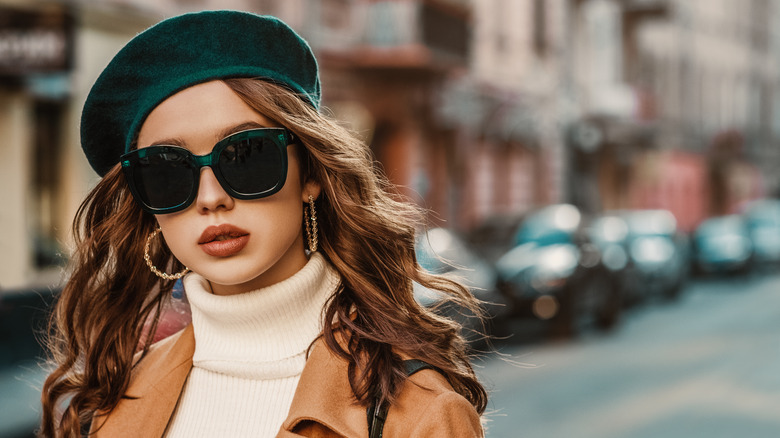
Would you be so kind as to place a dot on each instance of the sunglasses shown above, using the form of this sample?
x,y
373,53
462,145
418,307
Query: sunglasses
x,y
249,164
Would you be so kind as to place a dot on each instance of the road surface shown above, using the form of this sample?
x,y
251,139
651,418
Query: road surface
x,y
707,365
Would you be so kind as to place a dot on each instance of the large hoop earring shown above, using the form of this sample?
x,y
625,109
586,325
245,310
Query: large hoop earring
x,y
310,215
153,268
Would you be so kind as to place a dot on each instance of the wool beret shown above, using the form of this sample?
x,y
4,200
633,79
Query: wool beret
x,y
183,51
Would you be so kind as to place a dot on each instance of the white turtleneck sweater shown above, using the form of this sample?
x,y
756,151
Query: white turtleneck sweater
x,y
250,350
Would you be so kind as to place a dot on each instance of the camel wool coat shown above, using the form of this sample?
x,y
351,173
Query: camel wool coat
x,y
323,405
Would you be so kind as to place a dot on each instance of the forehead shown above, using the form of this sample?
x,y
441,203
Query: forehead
x,y
198,117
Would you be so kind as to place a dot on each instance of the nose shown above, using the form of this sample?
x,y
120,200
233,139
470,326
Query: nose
x,y
211,195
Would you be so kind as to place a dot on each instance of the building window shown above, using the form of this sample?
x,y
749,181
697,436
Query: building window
x,y
45,182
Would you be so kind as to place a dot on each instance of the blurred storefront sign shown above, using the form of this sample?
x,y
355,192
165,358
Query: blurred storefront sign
x,y
35,41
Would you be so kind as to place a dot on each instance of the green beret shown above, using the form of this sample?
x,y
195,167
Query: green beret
x,y
183,51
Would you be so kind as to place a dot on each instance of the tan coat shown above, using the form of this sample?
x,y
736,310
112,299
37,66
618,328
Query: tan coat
x,y
323,405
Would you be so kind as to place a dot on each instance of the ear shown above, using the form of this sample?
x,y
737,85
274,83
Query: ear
x,y
310,188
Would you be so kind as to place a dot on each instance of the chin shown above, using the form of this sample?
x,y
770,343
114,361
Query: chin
x,y
221,278
247,278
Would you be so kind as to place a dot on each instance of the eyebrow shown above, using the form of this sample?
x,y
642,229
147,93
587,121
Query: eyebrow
x,y
243,126
240,127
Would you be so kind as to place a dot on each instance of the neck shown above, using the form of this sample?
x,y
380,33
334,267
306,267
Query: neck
x,y
273,323
290,263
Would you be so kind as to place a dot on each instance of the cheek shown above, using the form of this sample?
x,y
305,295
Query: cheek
x,y
175,232
279,221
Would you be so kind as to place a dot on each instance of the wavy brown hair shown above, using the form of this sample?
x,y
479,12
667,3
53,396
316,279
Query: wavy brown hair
x,y
365,232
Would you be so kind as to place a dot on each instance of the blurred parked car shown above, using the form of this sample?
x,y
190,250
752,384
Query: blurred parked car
x,y
723,245
610,234
441,251
494,236
763,223
554,273
659,255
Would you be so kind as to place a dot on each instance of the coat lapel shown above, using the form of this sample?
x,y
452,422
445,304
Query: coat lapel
x,y
152,396
323,404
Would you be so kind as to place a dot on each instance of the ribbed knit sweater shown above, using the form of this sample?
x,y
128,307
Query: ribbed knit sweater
x,y
250,350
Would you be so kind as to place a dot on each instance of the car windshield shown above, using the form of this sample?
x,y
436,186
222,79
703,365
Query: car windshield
x,y
765,213
550,226
720,227
651,223
608,229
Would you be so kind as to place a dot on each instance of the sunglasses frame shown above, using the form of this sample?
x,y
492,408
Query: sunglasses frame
x,y
280,137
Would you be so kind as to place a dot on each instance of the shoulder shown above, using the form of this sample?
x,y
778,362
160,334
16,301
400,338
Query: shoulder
x,y
324,404
155,385
164,346
175,350
427,406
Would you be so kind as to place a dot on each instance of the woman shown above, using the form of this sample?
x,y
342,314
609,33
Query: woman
x,y
218,167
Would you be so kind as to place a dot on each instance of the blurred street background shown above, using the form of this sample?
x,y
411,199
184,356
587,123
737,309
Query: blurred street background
x,y
604,174
705,367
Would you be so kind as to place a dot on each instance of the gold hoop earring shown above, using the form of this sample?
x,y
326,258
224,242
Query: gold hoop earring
x,y
310,215
153,268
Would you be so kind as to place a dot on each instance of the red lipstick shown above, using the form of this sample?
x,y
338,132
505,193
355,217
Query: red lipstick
x,y
223,241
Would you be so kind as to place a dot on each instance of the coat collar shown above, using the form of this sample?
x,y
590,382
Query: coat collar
x,y
154,390
323,395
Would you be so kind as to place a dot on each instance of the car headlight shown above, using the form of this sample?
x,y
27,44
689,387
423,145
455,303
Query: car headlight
x,y
651,253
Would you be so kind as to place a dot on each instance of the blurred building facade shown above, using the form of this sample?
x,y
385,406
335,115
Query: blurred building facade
x,y
475,108
518,153
50,53
678,105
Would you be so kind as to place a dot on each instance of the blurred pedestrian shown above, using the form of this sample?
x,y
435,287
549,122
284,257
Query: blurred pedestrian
x,y
218,168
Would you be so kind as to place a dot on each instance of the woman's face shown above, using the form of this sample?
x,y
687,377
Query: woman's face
x,y
238,245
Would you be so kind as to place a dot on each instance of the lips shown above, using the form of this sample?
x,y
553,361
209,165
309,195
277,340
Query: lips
x,y
223,240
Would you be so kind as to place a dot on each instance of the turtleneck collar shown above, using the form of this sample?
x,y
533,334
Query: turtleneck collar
x,y
263,333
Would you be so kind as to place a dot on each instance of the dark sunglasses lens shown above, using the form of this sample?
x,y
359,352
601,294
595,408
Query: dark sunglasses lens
x,y
164,180
252,166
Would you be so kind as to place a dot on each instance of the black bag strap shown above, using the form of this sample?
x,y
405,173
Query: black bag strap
x,y
377,412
